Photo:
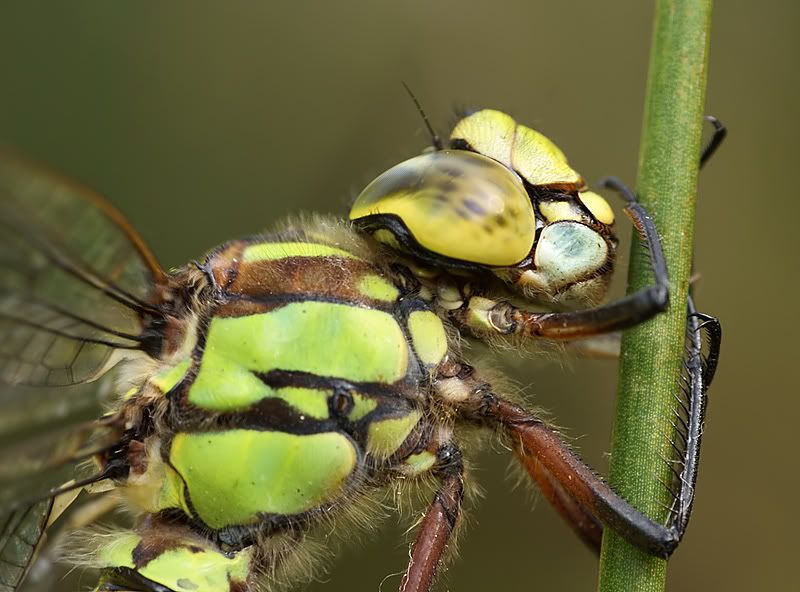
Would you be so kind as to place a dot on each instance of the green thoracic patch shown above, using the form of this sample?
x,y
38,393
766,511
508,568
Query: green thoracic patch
x,y
428,335
362,405
307,401
385,436
272,251
188,567
374,286
265,472
170,377
419,463
173,491
319,338
119,551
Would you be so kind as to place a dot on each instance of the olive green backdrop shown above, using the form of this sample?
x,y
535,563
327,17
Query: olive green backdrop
x,y
204,121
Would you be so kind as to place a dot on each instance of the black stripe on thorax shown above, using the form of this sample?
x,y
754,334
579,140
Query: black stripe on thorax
x,y
268,415
275,414
405,388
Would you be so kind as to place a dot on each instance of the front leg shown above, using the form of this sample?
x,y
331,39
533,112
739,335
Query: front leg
x,y
584,500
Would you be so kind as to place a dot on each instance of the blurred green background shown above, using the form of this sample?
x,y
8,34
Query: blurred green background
x,y
205,121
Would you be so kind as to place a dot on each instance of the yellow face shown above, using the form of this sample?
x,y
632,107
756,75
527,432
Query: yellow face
x,y
532,155
503,197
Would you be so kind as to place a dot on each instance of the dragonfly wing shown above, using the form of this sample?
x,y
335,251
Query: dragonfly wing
x,y
76,286
75,279
21,533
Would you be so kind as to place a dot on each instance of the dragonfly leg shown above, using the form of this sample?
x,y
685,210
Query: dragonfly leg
x,y
719,134
438,523
582,498
583,523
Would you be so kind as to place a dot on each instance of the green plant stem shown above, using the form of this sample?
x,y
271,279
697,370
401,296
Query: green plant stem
x,y
652,353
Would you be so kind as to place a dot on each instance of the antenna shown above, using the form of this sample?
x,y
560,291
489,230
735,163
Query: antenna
x,y
437,141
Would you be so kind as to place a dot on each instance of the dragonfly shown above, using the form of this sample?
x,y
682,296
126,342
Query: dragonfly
x,y
280,382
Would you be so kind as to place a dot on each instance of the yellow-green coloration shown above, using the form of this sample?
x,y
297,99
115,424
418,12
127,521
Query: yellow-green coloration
x,y
223,385
470,207
598,206
309,402
158,487
419,463
362,405
478,313
385,436
387,238
173,493
118,552
131,392
554,211
428,336
181,568
265,472
168,378
273,251
321,338
535,157
376,287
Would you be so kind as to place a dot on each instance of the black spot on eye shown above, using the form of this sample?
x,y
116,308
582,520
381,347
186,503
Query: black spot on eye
x,y
462,213
447,186
474,207
501,220
451,171
400,178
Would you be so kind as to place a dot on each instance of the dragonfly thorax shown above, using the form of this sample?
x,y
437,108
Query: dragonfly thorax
x,y
301,379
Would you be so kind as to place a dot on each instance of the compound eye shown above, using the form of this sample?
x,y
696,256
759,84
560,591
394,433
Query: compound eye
x,y
453,204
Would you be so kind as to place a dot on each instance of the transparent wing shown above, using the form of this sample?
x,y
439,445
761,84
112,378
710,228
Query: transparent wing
x,y
21,532
75,279
45,444
75,286
46,438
